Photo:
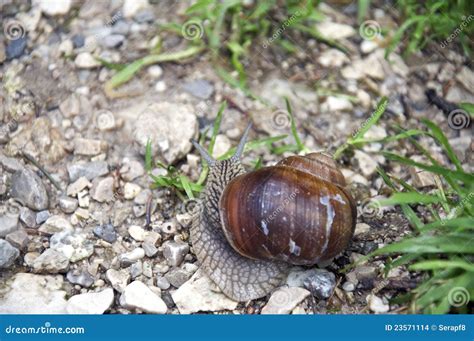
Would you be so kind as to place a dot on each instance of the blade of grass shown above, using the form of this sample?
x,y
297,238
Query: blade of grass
x,y
148,157
130,70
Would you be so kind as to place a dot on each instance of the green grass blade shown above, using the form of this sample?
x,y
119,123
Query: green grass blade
x,y
409,198
148,156
217,127
441,138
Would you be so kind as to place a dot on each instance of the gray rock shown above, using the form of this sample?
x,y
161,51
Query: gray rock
x,y
42,216
27,217
121,27
103,190
162,283
177,277
365,272
55,224
77,186
136,269
78,40
51,261
199,293
10,164
8,223
142,197
139,296
34,294
68,205
91,302
127,259
106,232
131,169
150,249
144,16
118,279
113,41
89,147
158,123
199,88
82,278
28,187
8,254
15,48
18,239
321,284
90,170
74,246
71,106
348,286
174,252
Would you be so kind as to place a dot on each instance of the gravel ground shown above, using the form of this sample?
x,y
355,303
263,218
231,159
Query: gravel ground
x,y
77,242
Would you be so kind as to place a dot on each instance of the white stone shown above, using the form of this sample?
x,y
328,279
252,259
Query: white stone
x,y
367,164
334,103
91,302
132,7
78,186
333,58
139,296
118,278
160,86
53,7
368,46
199,293
34,294
75,246
131,190
334,30
55,224
466,77
221,146
364,98
155,71
361,228
158,123
284,300
85,60
137,233
377,305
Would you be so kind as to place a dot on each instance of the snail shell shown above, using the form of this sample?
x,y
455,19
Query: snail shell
x,y
297,211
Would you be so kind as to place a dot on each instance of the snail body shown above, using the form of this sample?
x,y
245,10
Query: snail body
x,y
251,227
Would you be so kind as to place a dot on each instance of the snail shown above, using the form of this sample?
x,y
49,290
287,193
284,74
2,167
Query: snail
x,y
249,228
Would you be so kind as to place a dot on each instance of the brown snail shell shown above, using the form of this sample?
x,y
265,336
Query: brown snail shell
x,y
296,211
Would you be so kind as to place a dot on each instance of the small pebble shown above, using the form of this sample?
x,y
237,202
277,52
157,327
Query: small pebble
x,y
106,232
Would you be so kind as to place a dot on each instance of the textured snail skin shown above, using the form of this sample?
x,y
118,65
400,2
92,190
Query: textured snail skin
x,y
238,277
